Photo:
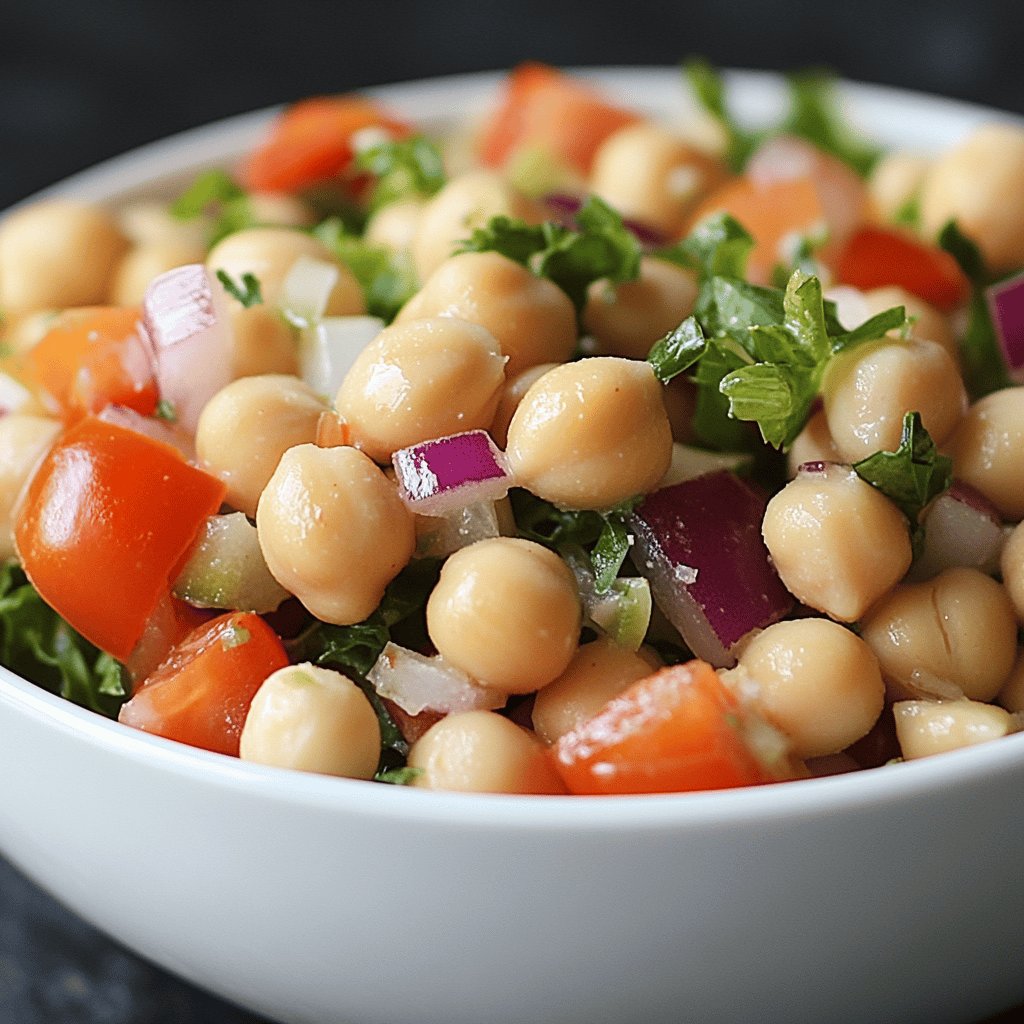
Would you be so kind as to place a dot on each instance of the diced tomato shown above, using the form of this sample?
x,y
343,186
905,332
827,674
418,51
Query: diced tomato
x,y
201,694
675,731
91,358
544,108
104,525
773,212
172,620
311,142
876,257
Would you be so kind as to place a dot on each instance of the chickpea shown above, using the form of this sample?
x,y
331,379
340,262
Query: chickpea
x,y
929,324
421,379
482,752
151,222
465,203
895,181
312,720
24,440
980,185
532,318
55,254
269,253
394,226
837,543
628,319
277,209
598,671
956,632
511,395
507,612
333,531
868,390
247,426
1011,695
591,434
816,681
1011,566
813,444
144,262
925,727
261,342
647,172
986,450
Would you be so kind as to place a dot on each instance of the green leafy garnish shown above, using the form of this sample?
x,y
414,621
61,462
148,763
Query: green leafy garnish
x,y
397,776
540,521
709,90
404,168
166,411
36,643
912,476
247,292
612,545
388,279
814,115
601,247
216,194
678,350
980,353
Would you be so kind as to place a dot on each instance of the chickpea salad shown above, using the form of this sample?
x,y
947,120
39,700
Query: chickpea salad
x,y
570,453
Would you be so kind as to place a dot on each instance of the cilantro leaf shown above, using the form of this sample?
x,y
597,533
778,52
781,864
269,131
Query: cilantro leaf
x,y
706,84
678,350
36,643
404,168
912,475
814,115
981,354
388,279
247,293
601,247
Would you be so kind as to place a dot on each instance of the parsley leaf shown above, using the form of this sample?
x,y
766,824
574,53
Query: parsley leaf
x,y
981,355
612,546
388,279
166,411
402,776
247,293
709,90
538,520
601,247
216,194
912,475
39,645
678,350
404,168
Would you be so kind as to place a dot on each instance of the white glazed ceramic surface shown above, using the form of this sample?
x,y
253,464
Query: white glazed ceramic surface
x,y
890,895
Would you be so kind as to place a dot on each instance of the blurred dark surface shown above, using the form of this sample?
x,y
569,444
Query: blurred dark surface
x,y
82,82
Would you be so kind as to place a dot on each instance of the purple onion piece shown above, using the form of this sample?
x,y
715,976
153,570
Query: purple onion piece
x,y
1006,303
699,543
564,208
438,477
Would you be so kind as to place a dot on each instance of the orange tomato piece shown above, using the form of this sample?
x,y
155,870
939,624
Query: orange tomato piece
x,y
91,358
104,525
201,694
772,211
311,142
876,257
675,731
545,108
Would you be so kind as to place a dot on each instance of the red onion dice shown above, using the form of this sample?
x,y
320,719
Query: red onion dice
x,y
437,477
961,528
185,313
699,543
1006,302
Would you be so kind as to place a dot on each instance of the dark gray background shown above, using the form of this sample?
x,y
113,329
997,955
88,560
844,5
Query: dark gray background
x,y
83,81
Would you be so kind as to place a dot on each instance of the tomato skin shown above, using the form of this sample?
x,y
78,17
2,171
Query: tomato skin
x,y
675,731
311,142
543,107
91,358
876,257
201,693
105,523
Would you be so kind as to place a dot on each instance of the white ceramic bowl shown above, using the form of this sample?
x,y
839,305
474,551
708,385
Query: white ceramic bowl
x,y
889,895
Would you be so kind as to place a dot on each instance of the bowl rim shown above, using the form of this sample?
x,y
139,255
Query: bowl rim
x,y
434,100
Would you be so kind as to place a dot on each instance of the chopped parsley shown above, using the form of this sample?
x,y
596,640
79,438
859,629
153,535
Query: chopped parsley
x,y
404,168
247,292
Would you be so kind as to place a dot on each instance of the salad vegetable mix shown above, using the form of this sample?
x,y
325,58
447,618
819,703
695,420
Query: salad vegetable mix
x,y
571,452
